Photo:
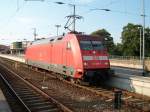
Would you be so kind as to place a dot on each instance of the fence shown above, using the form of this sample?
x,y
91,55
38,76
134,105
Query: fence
x,y
129,61
127,57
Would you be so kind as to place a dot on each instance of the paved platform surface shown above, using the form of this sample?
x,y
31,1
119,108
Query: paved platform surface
x,y
133,83
127,71
4,107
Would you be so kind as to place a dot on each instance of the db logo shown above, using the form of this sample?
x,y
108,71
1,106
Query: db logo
x,y
94,52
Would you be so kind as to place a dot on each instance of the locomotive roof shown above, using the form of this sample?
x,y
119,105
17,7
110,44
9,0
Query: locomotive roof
x,y
58,38
86,37
47,40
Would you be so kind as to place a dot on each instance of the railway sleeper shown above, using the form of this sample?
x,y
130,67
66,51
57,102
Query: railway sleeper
x,y
50,110
23,91
34,101
31,95
30,98
39,103
21,88
42,107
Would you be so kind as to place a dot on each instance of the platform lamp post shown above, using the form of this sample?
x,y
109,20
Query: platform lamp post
x,y
143,16
140,29
57,27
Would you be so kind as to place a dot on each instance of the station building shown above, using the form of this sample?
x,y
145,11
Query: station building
x,y
18,47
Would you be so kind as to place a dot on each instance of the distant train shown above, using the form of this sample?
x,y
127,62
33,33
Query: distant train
x,y
78,57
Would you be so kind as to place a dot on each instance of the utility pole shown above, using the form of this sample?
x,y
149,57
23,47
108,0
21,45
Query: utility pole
x,y
143,15
34,33
57,26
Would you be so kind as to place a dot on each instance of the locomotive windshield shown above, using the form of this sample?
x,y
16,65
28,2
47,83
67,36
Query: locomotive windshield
x,y
86,45
97,45
91,45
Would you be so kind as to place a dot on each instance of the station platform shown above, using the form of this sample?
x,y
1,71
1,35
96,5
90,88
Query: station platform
x,y
19,58
133,83
127,71
4,107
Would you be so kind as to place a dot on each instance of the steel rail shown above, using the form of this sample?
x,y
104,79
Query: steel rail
x,y
125,99
64,108
9,86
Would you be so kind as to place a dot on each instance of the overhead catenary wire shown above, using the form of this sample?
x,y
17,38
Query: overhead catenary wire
x,y
89,6
13,15
109,3
112,2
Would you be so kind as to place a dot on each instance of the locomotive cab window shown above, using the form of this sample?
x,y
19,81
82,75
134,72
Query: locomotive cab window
x,y
86,45
91,45
97,45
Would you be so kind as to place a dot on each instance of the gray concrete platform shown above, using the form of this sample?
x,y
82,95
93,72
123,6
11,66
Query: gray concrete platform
x,y
13,57
127,71
133,83
4,107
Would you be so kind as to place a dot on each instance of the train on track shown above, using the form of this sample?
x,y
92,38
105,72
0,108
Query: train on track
x,y
76,56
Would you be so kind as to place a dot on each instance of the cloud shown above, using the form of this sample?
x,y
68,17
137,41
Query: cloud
x,y
24,20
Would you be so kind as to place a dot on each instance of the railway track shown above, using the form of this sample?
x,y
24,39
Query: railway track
x,y
30,97
13,102
133,100
131,103
130,99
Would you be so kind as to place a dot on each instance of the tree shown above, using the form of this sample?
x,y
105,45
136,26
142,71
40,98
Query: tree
x,y
147,42
131,40
108,40
117,49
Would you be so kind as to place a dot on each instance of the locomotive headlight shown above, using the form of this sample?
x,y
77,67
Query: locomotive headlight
x,y
79,70
85,64
106,63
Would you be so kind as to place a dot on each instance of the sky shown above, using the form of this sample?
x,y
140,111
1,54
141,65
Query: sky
x,y
19,17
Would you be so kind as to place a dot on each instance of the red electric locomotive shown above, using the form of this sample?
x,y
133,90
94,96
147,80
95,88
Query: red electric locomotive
x,y
77,56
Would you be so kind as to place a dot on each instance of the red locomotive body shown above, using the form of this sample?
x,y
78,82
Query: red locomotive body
x,y
74,55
